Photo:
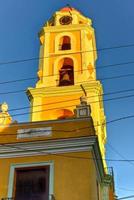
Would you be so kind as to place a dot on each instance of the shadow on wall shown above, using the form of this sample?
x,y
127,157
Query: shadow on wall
x,y
62,114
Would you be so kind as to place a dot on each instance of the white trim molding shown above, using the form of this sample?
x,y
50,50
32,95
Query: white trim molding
x,y
53,146
13,167
57,146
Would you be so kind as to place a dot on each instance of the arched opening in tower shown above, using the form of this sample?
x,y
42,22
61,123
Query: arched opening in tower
x,y
63,114
65,43
66,72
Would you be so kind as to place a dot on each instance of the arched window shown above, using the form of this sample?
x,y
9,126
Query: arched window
x,y
64,114
65,43
66,72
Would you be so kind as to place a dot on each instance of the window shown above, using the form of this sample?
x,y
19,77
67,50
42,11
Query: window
x,y
65,43
31,183
64,114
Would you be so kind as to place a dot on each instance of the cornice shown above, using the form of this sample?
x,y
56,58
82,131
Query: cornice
x,y
74,27
98,160
46,147
95,86
57,146
50,122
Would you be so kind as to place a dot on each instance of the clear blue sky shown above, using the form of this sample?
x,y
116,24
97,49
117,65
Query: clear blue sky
x,y
20,22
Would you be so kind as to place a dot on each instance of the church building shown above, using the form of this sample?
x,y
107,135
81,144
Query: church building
x,y
60,153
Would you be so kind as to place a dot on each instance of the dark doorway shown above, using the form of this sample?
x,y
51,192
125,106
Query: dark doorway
x,y
32,184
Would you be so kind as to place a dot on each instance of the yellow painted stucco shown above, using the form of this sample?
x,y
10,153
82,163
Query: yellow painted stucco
x,y
48,100
53,106
70,171
60,129
69,174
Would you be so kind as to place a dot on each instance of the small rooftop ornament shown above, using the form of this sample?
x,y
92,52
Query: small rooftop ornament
x,y
83,110
5,118
4,107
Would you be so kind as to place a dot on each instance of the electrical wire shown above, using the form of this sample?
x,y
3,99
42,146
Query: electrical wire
x,y
127,197
98,68
58,130
67,156
63,107
103,79
55,55
54,130
118,153
60,155
125,189
99,95
93,50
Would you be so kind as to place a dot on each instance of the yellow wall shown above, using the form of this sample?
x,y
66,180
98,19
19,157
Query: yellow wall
x,y
45,97
60,129
74,178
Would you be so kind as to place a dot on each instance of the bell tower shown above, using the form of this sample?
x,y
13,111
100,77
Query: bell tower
x,y
67,71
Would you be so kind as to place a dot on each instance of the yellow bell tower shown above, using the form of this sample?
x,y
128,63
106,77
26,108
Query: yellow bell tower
x,y
67,71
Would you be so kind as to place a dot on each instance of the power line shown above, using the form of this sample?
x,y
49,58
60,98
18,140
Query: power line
x,y
98,68
114,47
116,77
119,119
102,79
126,189
105,100
118,153
99,95
127,197
65,156
54,130
19,114
55,55
88,127
60,155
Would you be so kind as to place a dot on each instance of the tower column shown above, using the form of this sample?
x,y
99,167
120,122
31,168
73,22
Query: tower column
x,y
36,109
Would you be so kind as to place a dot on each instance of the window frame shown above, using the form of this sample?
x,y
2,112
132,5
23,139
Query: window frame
x,y
13,167
57,42
62,44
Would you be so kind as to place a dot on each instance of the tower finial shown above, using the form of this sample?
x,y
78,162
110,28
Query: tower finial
x,y
5,118
4,107
68,5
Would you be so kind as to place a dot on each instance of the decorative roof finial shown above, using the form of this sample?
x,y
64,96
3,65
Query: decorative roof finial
x,y
4,107
5,118
83,110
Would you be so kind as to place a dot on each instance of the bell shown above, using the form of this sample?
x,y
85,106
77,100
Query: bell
x,y
65,80
65,77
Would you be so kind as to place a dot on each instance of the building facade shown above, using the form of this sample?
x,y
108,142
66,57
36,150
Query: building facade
x,y
60,153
